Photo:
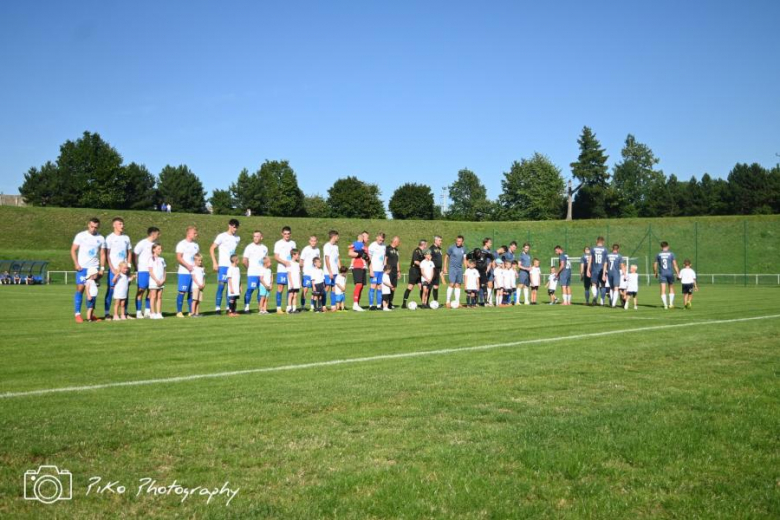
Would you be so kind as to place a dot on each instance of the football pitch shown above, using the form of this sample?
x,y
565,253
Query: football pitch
x,y
543,411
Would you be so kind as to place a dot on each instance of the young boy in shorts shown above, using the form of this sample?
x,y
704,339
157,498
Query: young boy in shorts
x,y
688,281
198,284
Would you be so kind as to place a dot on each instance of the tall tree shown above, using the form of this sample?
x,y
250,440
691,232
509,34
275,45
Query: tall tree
x,y
590,170
352,198
40,187
750,188
223,203
277,192
412,202
634,175
716,194
139,188
316,206
468,198
90,173
248,193
181,188
532,190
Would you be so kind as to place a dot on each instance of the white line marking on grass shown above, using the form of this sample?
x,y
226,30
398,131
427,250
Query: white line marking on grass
x,y
380,357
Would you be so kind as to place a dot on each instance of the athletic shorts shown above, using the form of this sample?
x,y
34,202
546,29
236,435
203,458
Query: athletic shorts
x,y
262,291
550,291
319,288
292,291
456,276
490,276
596,279
414,276
565,279
143,280
394,279
483,278
81,277
307,281
436,277
91,303
523,278
222,274
338,298
329,282
281,278
359,276
184,283
614,280
631,293
586,282
666,278
687,288
427,284
197,294
534,287
376,277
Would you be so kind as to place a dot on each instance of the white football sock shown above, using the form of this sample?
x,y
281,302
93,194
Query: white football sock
x,y
663,299
457,295
525,295
490,296
671,299
449,294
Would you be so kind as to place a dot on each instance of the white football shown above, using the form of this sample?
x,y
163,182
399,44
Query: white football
x,y
434,305
455,304
412,306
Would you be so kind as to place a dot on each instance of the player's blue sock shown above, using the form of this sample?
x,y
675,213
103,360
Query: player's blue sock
x,y
248,295
137,305
303,300
220,288
77,299
189,302
332,298
587,296
179,302
109,296
148,305
278,299
371,296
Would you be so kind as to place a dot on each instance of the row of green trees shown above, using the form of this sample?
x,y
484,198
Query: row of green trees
x,y
91,173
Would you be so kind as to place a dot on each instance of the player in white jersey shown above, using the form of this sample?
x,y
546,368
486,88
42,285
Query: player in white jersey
x,y
143,253
88,250
332,264
185,257
118,250
227,243
309,253
283,256
254,259
157,276
377,253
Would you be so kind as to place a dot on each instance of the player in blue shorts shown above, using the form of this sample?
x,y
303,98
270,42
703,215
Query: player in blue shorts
x,y
584,259
596,263
118,250
524,274
141,258
227,242
454,262
564,274
185,257
612,273
87,252
283,256
666,270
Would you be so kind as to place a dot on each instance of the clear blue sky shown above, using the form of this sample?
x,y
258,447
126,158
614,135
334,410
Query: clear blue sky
x,y
389,91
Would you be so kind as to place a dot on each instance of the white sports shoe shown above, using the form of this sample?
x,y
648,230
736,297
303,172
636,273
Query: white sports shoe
x,y
139,315
357,307
388,310
147,313
246,308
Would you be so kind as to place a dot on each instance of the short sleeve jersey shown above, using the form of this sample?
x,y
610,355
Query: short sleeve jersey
x,y
143,253
188,250
417,258
377,253
283,248
455,256
613,263
226,245
255,255
117,246
89,247
665,261
331,252
234,280
426,268
598,255
564,258
525,260
307,257
472,279
392,258
436,257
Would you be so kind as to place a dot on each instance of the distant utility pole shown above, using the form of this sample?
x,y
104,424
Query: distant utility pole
x,y
444,199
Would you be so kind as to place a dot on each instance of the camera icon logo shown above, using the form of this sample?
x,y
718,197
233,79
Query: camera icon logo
x,y
48,484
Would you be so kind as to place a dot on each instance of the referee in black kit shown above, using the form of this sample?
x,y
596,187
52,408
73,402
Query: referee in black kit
x,y
414,270
436,258
391,257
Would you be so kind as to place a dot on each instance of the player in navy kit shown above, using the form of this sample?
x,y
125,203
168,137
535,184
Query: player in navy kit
x,y
583,271
612,273
666,270
564,274
596,262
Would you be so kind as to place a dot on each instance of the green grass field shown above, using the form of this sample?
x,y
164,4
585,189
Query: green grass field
x,y
566,413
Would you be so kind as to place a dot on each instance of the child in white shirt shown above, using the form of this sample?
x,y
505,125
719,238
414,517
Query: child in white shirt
x,y
552,284
198,284
688,280
498,281
536,279
91,290
632,287
623,283
317,285
234,285
293,280
427,269
121,283
510,283
339,288
387,288
265,284
471,279
156,281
